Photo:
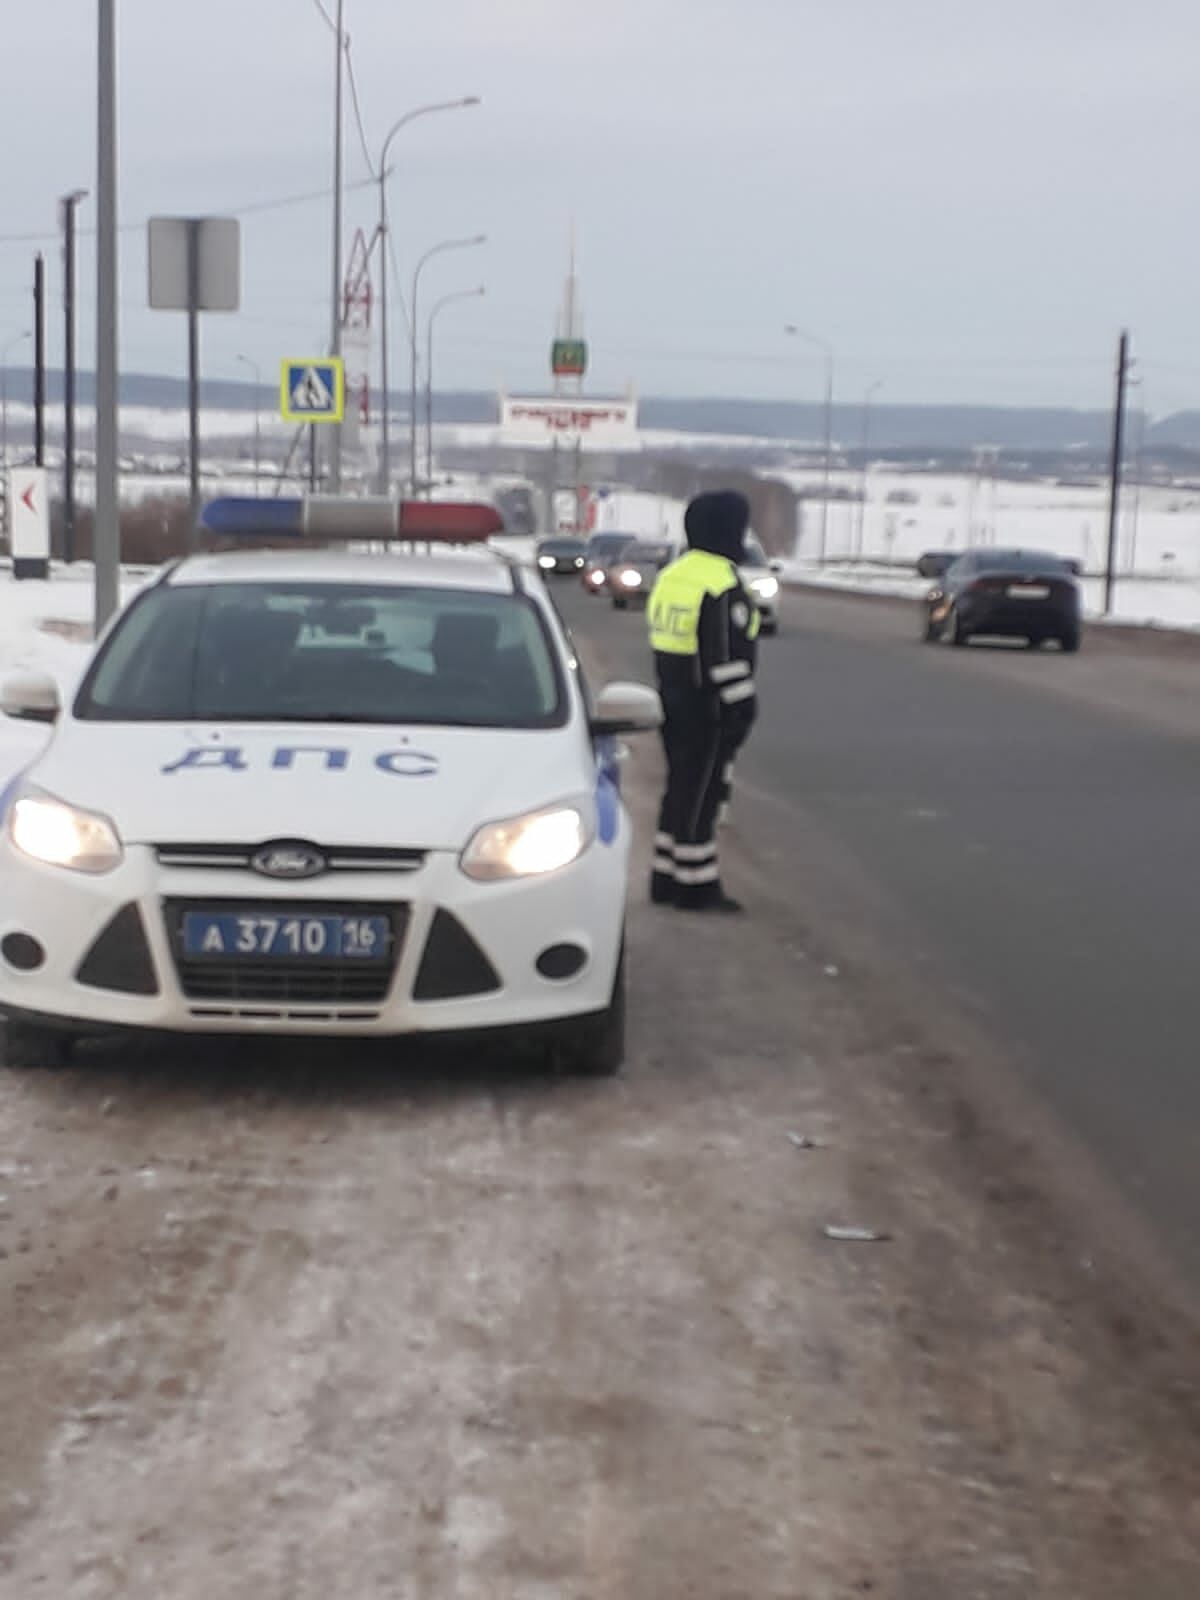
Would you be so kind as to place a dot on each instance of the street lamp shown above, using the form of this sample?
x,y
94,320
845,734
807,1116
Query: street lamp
x,y
254,367
69,204
12,344
385,444
434,250
866,440
446,300
827,351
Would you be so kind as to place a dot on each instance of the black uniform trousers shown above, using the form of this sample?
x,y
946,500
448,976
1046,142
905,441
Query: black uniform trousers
x,y
699,744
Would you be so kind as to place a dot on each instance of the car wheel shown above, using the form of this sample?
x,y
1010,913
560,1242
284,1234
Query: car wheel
x,y
31,1045
620,603
769,629
594,1046
1070,640
933,631
958,633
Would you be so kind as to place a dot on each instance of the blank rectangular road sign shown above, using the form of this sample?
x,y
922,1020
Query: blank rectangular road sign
x,y
313,390
218,263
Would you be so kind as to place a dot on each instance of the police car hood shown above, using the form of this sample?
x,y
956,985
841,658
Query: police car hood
x,y
424,788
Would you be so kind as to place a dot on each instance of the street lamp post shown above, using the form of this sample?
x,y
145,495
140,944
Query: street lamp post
x,y
69,203
434,250
335,349
12,344
385,442
827,351
106,540
254,367
866,441
446,300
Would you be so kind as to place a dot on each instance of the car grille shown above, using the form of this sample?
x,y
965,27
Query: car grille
x,y
281,981
338,858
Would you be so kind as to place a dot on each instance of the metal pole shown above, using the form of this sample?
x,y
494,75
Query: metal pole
x,y
446,300
862,498
429,400
107,536
828,453
385,431
826,472
1118,444
335,432
385,400
1137,481
70,203
434,250
39,360
193,327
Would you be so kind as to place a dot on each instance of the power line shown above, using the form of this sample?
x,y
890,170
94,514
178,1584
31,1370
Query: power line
x,y
252,208
358,116
329,22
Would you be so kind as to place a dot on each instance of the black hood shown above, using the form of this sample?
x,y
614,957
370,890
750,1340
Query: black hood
x,y
717,522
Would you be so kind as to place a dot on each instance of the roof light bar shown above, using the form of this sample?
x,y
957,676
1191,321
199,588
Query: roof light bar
x,y
335,518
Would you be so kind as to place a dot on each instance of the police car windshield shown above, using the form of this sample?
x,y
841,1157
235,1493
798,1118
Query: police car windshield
x,y
245,652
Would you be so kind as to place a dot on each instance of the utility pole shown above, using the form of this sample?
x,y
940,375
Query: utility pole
x,y
826,350
866,444
1118,445
335,347
107,535
69,204
39,360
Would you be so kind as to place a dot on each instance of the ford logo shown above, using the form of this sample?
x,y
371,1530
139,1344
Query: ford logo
x,y
287,860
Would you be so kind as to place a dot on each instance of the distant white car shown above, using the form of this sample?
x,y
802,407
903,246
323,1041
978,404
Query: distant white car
x,y
322,793
761,577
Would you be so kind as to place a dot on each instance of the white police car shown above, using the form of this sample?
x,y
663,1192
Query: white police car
x,y
319,792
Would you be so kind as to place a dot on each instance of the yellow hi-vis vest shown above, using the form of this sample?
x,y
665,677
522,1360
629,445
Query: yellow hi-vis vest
x,y
676,598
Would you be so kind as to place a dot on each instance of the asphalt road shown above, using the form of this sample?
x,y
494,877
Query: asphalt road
x,y
1018,836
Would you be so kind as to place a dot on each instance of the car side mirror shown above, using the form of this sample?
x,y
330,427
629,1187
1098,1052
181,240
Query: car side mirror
x,y
626,708
30,697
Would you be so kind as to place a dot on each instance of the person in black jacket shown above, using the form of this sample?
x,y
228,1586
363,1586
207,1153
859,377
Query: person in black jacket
x,y
703,631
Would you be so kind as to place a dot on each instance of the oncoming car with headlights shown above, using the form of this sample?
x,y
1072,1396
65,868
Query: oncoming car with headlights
x,y
321,793
631,576
760,575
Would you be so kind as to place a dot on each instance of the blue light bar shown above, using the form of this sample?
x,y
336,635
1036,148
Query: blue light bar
x,y
243,518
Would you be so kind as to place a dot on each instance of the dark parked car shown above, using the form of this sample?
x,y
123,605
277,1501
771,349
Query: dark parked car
x,y
631,576
561,555
602,550
1022,594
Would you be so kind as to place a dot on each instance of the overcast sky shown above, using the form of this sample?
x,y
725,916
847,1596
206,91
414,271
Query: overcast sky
x,y
966,197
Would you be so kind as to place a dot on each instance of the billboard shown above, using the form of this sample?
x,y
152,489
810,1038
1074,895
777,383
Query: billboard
x,y
590,424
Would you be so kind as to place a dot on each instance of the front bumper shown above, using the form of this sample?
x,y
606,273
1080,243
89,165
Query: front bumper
x,y
466,954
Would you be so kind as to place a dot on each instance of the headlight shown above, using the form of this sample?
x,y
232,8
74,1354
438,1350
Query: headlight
x,y
49,830
595,577
525,847
545,561
765,588
631,579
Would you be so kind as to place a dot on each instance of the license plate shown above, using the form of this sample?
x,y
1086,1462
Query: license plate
x,y
257,935
1029,591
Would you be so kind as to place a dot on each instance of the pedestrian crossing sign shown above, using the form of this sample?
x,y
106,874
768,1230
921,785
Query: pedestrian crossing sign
x,y
313,390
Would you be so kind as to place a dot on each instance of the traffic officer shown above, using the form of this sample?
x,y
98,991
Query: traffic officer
x,y
703,628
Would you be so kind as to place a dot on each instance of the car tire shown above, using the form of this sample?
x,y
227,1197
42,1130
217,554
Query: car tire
x,y
932,632
958,633
30,1046
768,630
620,603
594,1046
1070,641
